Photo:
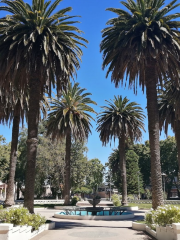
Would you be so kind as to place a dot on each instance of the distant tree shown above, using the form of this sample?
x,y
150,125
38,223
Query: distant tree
x,y
5,149
82,190
134,176
133,171
95,174
21,160
143,152
50,162
69,118
169,111
123,120
169,164
79,164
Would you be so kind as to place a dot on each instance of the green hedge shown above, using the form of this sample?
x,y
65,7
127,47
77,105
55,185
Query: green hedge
x,y
21,216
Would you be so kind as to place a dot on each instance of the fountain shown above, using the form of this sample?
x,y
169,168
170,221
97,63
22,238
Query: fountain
x,y
93,213
89,213
95,200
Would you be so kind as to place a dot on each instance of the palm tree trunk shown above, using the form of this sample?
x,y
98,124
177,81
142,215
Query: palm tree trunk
x,y
153,126
122,160
177,136
13,156
32,141
67,169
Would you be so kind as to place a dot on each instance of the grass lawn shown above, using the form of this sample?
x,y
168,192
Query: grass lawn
x,y
140,221
145,205
141,205
46,205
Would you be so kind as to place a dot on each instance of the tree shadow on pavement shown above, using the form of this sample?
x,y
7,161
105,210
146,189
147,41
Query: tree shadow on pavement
x,y
146,237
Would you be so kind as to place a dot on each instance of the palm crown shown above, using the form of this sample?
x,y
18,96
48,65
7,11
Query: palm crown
x,y
34,38
71,111
120,117
140,36
169,102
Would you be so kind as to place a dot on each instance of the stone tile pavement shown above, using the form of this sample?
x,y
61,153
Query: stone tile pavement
x,y
91,229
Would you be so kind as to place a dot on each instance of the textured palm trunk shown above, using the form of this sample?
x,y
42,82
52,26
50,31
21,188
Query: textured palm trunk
x,y
177,136
122,160
67,169
32,141
13,156
153,126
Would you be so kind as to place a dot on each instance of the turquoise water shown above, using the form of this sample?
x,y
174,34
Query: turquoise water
x,y
85,213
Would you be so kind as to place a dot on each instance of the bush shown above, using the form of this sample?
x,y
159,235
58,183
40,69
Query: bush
x,y
148,194
21,216
116,200
74,200
164,215
1,207
36,221
130,197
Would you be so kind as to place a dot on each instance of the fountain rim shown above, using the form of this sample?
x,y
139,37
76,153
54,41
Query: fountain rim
x,y
90,217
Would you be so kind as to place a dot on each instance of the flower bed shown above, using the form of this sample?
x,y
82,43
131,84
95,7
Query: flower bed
x,y
163,223
18,223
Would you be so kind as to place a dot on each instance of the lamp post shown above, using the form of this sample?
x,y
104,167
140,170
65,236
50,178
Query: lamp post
x,y
163,177
110,185
138,186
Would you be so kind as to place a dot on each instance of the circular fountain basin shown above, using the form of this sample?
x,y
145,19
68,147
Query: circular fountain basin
x,y
88,215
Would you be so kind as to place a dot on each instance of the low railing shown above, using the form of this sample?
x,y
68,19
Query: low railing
x,y
41,201
150,201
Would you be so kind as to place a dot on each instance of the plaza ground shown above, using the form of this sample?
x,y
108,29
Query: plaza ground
x,y
91,229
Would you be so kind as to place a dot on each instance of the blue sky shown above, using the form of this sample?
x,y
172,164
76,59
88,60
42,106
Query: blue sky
x,y
91,76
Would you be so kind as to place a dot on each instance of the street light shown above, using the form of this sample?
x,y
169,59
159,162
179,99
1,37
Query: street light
x,y
110,185
138,186
163,174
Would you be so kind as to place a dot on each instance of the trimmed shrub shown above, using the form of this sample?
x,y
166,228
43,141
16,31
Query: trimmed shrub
x,y
36,221
130,197
164,215
116,200
21,216
74,200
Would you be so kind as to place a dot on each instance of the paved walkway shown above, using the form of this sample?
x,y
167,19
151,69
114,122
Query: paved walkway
x,y
91,229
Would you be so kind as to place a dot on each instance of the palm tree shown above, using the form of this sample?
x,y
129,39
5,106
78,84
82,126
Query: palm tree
x,y
39,49
17,113
69,118
141,45
123,120
169,111
14,110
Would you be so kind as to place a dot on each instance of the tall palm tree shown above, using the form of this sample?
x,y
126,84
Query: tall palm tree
x,y
69,117
123,120
169,111
15,109
39,49
15,115
12,110
141,45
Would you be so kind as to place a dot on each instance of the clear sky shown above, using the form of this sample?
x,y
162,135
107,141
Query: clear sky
x,y
91,76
